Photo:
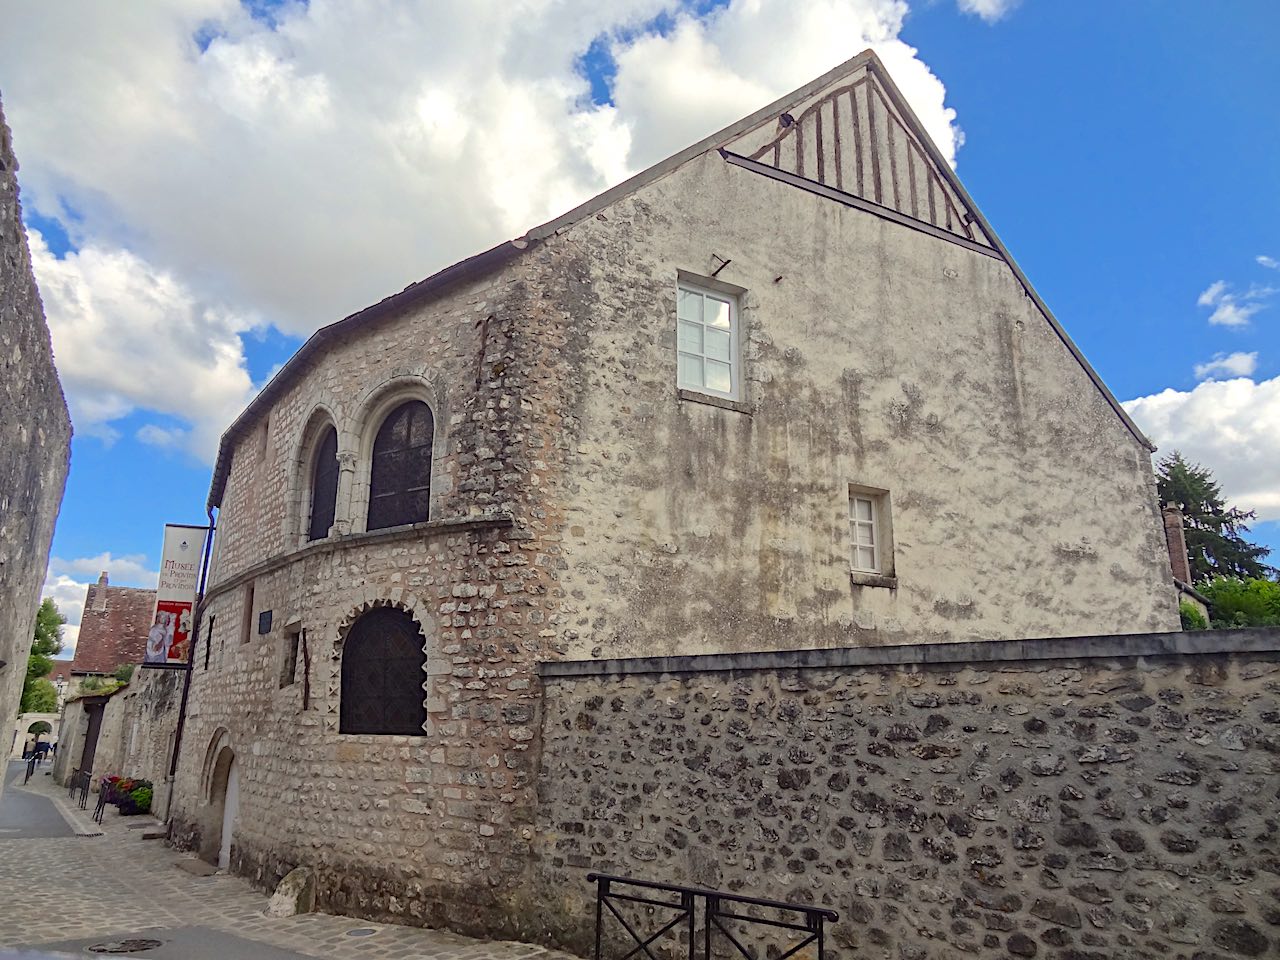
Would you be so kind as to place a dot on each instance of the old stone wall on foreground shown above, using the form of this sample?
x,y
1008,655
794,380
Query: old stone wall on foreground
x,y
35,438
1014,799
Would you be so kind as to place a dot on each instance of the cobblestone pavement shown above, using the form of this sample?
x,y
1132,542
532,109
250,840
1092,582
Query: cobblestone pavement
x,y
115,884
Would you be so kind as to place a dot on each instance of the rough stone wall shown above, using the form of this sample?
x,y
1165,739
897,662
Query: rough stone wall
x,y
1084,810
35,438
1021,504
425,830
138,725
72,725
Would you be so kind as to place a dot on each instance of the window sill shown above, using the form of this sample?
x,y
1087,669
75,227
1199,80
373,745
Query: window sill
x,y
713,401
861,579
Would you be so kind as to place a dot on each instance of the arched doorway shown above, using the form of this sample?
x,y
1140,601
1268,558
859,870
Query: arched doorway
x,y
224,798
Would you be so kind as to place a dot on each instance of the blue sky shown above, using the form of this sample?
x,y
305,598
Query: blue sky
x,y
1125,153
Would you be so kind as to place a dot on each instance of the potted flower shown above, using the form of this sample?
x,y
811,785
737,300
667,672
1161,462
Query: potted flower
x,y
129,795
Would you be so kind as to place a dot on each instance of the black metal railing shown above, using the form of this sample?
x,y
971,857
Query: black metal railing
x,y
100,810
719,906
78,783
31,768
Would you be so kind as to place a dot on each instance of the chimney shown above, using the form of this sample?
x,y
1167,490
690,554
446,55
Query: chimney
x,y
1177,541
100,598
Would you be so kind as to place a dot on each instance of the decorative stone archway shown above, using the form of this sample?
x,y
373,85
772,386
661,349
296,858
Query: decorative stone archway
x,y
398,599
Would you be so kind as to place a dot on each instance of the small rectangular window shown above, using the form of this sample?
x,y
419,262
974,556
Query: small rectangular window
x,y
862,524
707,347
246,619
208,640
870,535
289,666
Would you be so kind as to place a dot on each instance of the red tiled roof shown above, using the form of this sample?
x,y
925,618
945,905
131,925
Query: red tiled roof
x,y
113,630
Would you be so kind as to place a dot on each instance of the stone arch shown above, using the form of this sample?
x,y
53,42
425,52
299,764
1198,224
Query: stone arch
x,y
298,477
219,785
220,740
40,728
398,599
371,410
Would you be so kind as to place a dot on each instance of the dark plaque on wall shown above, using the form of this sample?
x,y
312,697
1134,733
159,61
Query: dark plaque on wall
x,y
264,622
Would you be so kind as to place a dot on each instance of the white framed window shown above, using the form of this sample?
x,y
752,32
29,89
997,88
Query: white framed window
x,y
870,536
862,525
707,348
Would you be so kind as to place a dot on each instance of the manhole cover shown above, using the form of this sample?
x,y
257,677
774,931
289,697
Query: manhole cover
x,y
124,946
361,932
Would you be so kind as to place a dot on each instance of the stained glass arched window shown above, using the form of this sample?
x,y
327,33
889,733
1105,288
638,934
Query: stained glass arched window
x,y
382,674
400,474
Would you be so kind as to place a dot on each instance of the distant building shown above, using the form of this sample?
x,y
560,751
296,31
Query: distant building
x,y
113,630
60,677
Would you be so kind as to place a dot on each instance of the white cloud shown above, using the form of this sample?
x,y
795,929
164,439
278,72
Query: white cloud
x,y
1228,365
1231,309
673,90
70,640
68,593
127,335
289,176
1230,426
67,582
166,438
1271,263
1213,294
989,10
127,571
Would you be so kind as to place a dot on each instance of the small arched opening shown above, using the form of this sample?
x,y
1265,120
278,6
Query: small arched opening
x,y
223,808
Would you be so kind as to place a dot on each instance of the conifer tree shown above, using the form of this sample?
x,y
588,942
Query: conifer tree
x,y
1216,546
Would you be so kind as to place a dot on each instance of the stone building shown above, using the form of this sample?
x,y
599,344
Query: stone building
x,y
113,634
60,677
35,438
113,629
784,394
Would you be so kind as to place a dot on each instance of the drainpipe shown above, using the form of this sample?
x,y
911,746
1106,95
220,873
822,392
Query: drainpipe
x,y
191,663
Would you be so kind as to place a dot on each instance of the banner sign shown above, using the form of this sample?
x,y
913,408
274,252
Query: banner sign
x,y
169,639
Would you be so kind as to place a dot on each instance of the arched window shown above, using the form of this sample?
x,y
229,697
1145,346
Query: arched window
x,y
400,475
324,486
382,674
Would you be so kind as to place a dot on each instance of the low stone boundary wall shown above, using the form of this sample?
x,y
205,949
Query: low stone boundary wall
x,y
1084,798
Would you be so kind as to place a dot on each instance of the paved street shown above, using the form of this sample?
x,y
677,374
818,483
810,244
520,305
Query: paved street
x,y
25,814
62,890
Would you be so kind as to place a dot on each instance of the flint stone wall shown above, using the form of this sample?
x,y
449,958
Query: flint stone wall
x,y
1117,804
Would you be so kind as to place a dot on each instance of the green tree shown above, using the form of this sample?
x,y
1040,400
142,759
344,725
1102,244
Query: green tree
x,y
1192,618
124,672
1237,602
39,696
45,645
1216,546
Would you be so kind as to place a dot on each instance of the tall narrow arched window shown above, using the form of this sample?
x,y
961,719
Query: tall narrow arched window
x,y
324,486
400,474
382,673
